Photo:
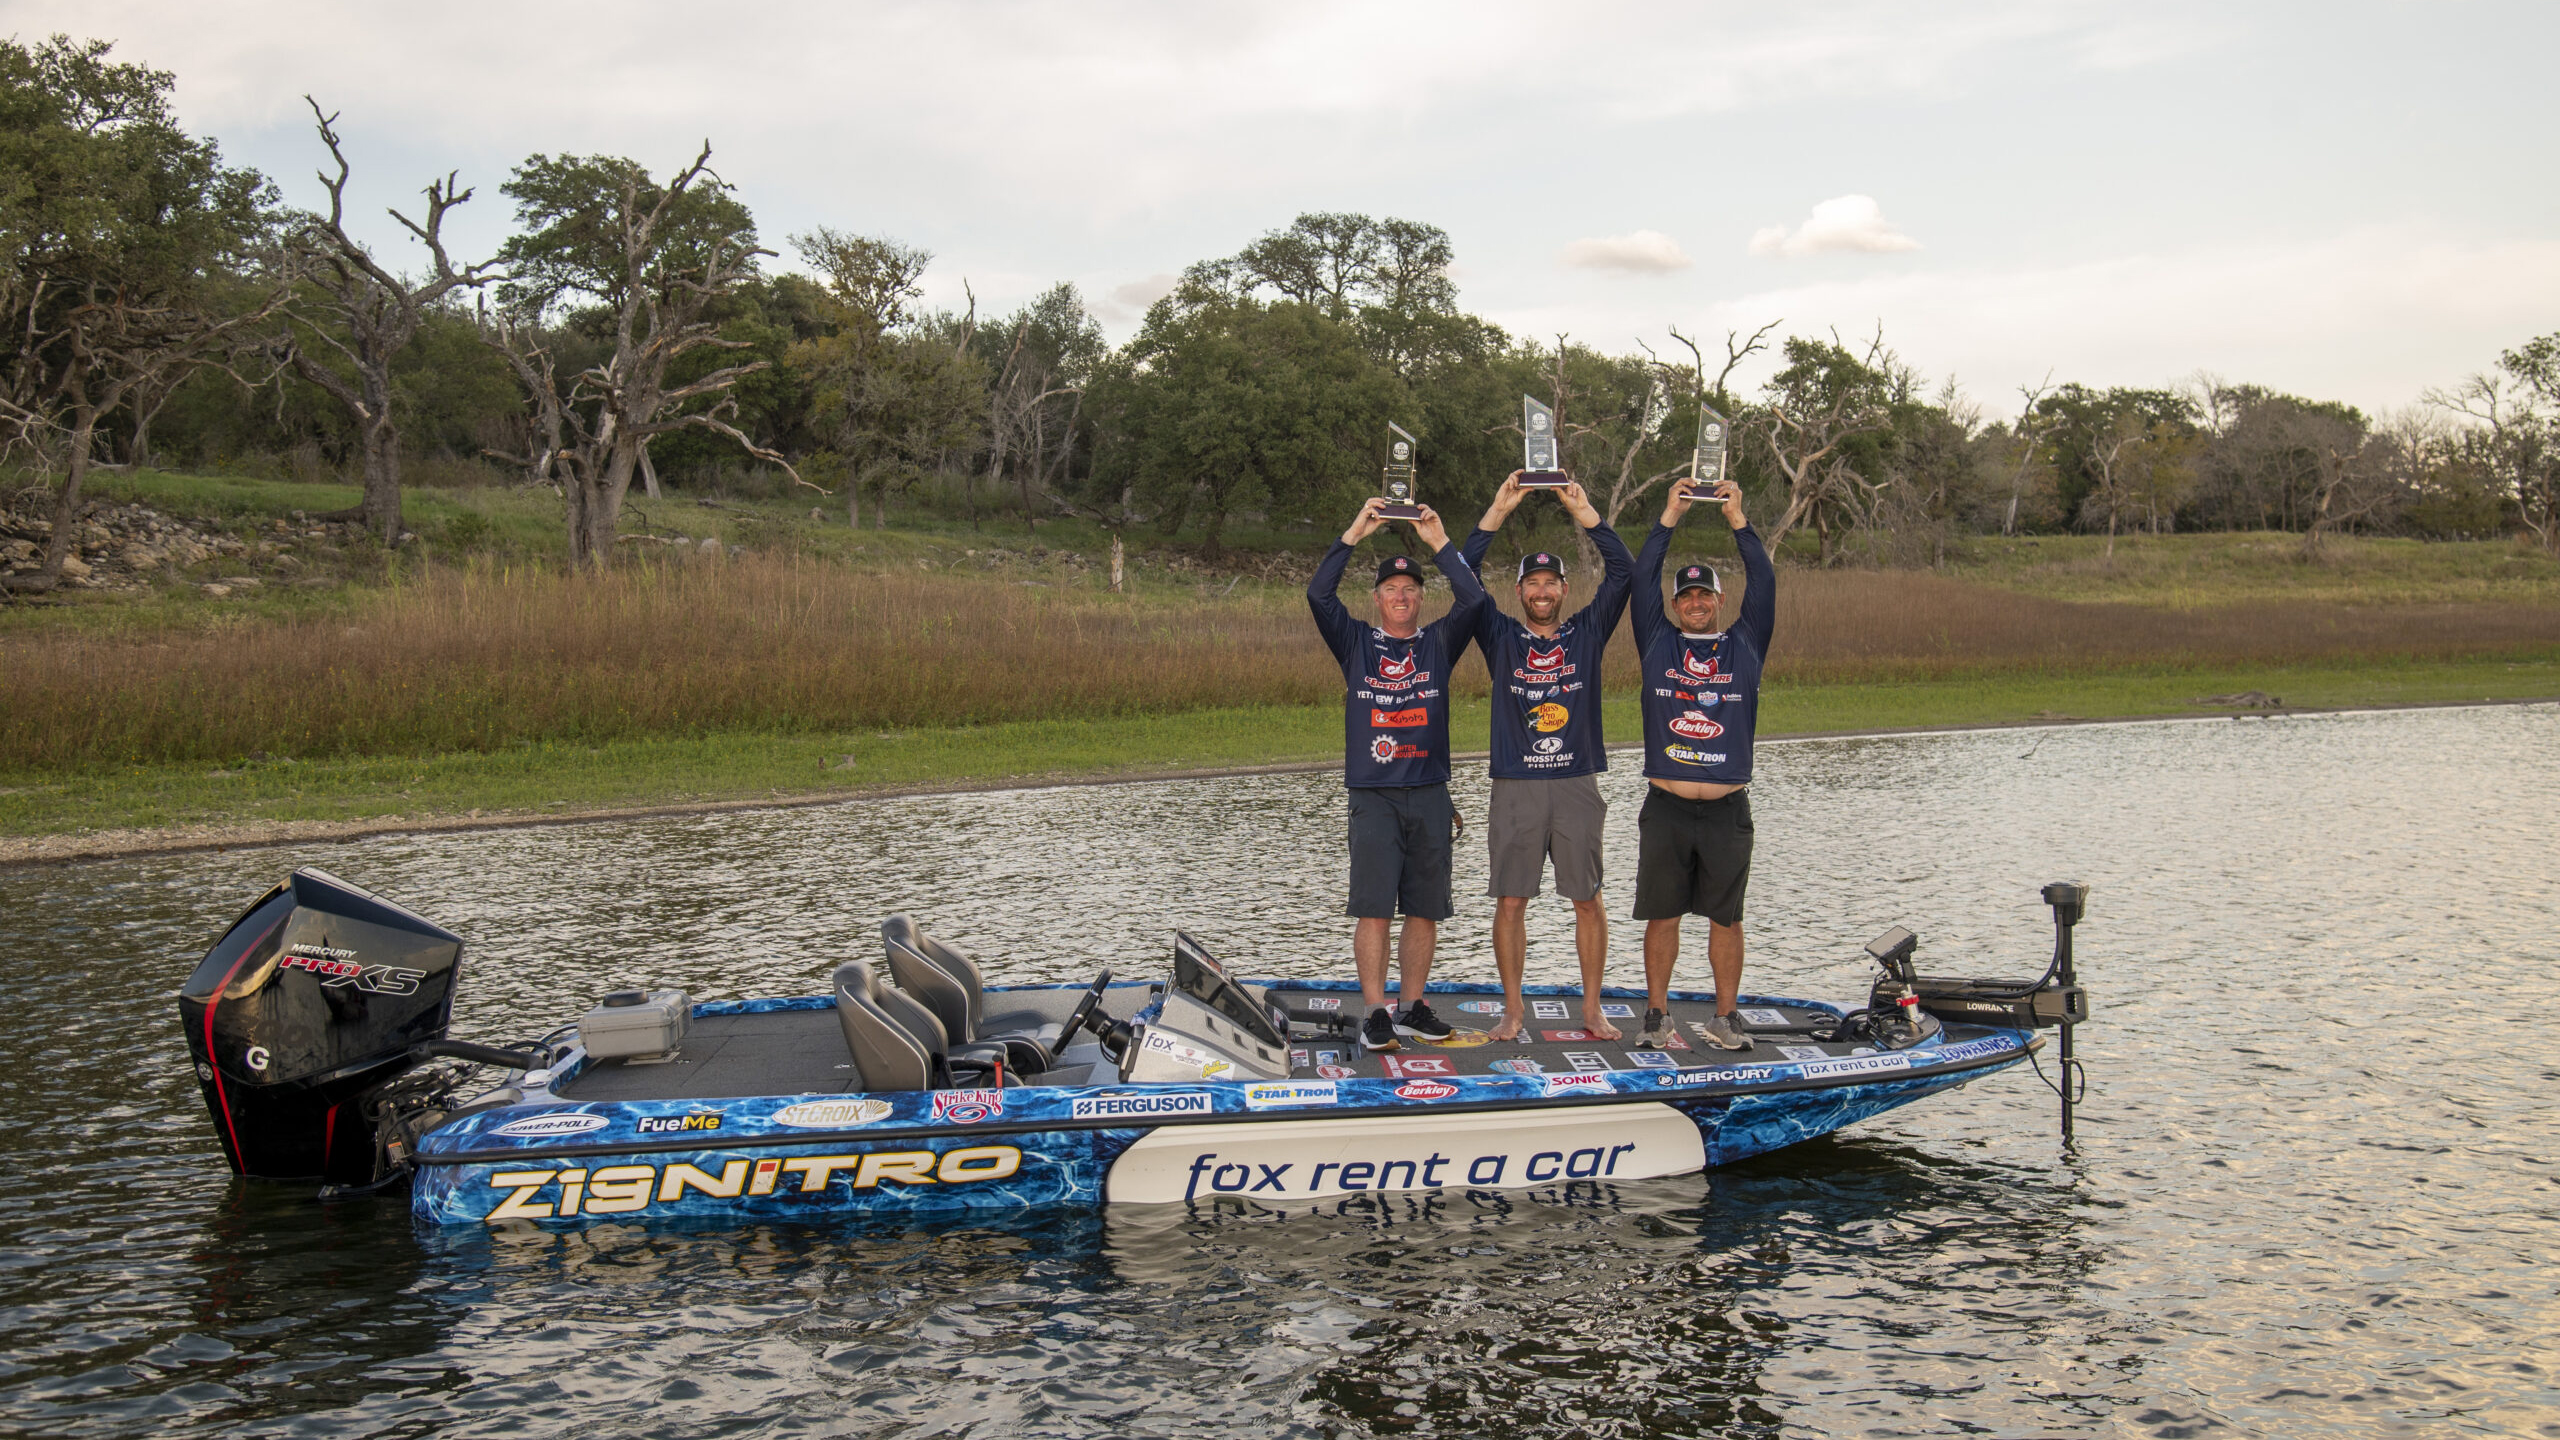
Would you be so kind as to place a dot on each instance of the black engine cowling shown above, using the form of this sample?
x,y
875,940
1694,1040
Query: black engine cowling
x,y
317,994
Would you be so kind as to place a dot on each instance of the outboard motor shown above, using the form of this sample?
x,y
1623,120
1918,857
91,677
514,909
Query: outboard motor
x,y
321,992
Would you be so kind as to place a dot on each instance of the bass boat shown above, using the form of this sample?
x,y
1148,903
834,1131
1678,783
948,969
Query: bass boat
x,y
318,1027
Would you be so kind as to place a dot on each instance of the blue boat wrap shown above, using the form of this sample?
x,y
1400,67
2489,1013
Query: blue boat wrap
x,y
806,1156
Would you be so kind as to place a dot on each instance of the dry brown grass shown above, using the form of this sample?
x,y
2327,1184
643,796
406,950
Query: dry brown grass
x,y
482,659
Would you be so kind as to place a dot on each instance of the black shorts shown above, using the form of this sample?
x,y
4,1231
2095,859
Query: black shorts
x,y
1400,843
1693,857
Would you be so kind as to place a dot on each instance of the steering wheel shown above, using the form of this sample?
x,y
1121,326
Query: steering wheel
x,y
1084,1011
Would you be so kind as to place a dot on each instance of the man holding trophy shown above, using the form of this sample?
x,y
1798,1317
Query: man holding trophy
x,y
1548,750
1701,700
1396,749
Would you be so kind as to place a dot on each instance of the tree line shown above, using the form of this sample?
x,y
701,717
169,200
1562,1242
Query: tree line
x,y
167,307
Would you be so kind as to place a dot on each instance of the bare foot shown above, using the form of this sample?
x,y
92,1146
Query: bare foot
x,y
1598,1028
1509,1029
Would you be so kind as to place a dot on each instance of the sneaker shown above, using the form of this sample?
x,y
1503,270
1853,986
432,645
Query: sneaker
x,y
1379,1031
1418,1022
1725,1032
1657,1031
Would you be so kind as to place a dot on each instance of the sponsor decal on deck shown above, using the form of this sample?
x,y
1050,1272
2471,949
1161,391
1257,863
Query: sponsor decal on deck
x,y
1520,1067
1400,1066
1425,1090
1324,1002
968,1107
1614,1010
1579,1085
1762,1017
1462,1039
677,1124
1569,1037
1586,1060
1289,1094
1969,1050
551,1127
1135,1107
832,1114
1478,1007
1804,1052
1336,1072
1328,1057
1299,1059
1651,1060
1548,1009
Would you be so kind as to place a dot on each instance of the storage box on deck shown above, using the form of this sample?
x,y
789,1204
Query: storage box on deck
x,y
633,1025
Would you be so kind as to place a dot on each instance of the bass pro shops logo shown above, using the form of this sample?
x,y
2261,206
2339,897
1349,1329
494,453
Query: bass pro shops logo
x,y
1695,726
338,968
1549,718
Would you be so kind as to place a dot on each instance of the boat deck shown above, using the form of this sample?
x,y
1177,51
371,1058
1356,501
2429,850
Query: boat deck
x,y
802,1052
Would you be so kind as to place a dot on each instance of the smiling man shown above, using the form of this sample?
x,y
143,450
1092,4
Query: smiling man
x,y
1395,725
1701,700
1547,748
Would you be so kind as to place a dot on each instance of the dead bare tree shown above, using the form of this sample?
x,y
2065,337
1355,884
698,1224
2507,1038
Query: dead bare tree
x,y
2030,432
358,316
1822,400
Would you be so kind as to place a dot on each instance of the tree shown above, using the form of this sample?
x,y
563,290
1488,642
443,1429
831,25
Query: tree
x,y
2518,437
897,397
124,241
1216,406
1036,404
371,316
1821,403
1388,279
652,259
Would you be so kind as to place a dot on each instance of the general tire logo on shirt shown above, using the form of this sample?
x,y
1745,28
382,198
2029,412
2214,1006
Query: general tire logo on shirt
x,y
1696,727
1550,717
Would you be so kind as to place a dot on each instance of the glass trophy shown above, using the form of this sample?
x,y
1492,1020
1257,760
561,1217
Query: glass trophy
x,y
1706,463
1397,481
1538,444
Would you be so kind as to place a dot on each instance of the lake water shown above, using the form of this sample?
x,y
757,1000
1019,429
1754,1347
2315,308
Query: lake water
x,y
2313,1194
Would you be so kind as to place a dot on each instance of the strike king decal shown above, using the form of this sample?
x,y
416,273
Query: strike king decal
x,y
968,1107
337,968
558,1194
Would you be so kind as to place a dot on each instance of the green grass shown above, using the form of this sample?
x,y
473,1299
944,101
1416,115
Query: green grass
x,y
2193,571
562,779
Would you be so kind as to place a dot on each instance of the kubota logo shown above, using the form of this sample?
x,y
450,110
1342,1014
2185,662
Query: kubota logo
x,y
1397,719
1696,727
1546,659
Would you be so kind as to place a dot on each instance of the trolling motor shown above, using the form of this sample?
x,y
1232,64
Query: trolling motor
x,y
1905,1007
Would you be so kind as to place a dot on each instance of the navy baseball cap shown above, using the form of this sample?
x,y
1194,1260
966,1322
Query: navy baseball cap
x,y
1696,577
1395,565
1530,564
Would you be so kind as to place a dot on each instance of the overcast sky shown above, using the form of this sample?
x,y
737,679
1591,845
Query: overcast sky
x,y
2348,200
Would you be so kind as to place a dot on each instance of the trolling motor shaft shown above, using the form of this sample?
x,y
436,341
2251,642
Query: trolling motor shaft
x,y
2070,1003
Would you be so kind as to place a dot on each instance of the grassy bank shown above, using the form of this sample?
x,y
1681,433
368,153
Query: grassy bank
x,y
566,778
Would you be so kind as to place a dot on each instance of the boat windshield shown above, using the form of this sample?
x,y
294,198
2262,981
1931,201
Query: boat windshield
x,y
1198,974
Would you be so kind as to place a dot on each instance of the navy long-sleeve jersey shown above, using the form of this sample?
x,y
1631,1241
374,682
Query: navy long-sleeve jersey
x,y
1395,712
1701,693
1546,692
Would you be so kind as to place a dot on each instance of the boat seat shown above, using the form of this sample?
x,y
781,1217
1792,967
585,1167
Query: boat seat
x,y
947,982
897,1044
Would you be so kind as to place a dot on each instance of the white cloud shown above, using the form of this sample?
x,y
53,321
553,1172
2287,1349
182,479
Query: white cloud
x,y
1130,301
1646,252
1853,223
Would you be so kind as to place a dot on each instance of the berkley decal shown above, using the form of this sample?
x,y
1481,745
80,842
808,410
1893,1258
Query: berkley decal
x,y
1281,1094
832,1114
624,1189
1695,726
1425,1090
967,1107
1117,1107
1399,719
551,1127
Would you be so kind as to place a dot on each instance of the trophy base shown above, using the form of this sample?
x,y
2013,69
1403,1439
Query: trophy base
x,y
1393,511
1545,480
1700,492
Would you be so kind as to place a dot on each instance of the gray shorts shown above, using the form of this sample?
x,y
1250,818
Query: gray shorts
x,y
1535,820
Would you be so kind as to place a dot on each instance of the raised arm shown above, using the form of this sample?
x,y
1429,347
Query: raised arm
x,y
1480,540
1647,591
1469,603
1324,592
1760,588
